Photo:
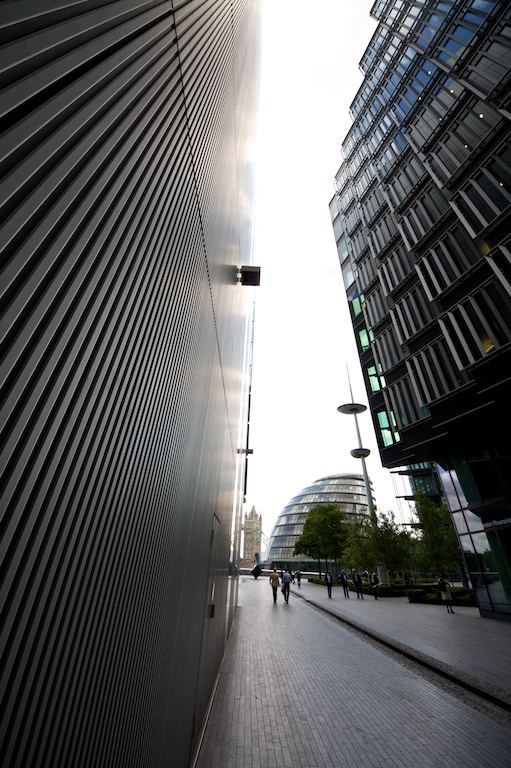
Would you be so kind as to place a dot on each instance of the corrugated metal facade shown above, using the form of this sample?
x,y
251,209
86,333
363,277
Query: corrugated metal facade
x,y
126,193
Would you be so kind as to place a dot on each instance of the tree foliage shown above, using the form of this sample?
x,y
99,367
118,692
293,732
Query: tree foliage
x,y
324,533
377,540
391,543
438,543
359,545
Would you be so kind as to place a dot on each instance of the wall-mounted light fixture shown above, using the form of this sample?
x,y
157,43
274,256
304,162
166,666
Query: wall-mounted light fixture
x,y
249,275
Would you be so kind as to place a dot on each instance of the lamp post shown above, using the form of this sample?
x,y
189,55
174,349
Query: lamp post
x,y
362,453
359,453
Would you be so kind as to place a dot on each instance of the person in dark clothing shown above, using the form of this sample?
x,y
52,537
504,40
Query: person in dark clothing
x,y
357,581
329,581
286,581
298,577
344,581
374,582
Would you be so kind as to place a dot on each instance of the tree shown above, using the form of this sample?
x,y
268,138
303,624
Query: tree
x,y
391,544
324,533
438,543
359,544
378,540
307,544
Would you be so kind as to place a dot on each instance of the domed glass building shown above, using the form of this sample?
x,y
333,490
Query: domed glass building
x,y
347,491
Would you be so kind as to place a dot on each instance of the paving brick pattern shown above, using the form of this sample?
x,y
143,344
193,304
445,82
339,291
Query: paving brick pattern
x,y
298,690
470,648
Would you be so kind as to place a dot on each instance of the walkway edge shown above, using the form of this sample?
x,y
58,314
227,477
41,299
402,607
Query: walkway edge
x,y
489,692
230,639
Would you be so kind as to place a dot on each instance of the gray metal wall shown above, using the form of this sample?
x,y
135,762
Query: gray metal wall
x,y
126,194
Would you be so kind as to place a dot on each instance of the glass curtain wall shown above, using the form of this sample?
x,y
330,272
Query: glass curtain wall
x,y
422,222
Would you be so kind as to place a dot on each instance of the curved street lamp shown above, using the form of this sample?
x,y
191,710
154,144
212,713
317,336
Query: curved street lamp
x,y
353,409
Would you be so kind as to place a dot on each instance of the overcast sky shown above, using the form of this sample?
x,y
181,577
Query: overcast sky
x,y
303,336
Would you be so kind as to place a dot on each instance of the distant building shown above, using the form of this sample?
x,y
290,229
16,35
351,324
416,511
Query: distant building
x,y
422,221
347,491
252,538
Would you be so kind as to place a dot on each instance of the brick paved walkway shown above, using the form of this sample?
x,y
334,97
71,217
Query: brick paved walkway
x,y
299,690
472,649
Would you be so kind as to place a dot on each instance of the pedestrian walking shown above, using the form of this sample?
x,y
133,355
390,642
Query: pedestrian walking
x,y
445,592
329,580
357,581
374,582
286,581
298,577
274,581
344,582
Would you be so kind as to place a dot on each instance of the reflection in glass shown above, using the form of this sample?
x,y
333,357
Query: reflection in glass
x,y
459,522
458,488
482,548
483,598
473,521
447,480
498,597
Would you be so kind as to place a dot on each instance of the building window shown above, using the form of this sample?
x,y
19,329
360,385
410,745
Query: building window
x,y
479,325
421,130
377,307
434,372
388,432
338,229
454,44
412,313
500,262
404,402
396,267
352,220
355,300
347,273
383,231
358,243
366,272
388,349
375,378
492,64
373,204
442,163
445,262
485,197
475,124
342,250
495,186
489,200
405,179
468,215
492,302
499,168
412,227
365,338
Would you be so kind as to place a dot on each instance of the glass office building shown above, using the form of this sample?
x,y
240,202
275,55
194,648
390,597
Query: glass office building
x,y
422,221
347,491
126,198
